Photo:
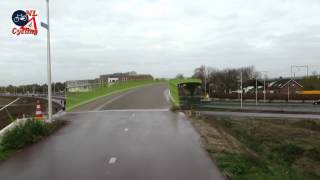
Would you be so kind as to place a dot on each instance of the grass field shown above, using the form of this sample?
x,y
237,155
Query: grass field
x,y
260,148
174,92
79,98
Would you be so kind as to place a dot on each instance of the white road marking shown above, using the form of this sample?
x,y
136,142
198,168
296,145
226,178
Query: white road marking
x,y
114,99
166,94
122,110
126,129
112,160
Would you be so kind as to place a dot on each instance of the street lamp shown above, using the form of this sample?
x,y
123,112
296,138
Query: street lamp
x,y
47,26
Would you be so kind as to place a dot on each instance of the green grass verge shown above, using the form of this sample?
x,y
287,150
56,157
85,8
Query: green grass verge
x,y
284,149
174,92
79,98
25,134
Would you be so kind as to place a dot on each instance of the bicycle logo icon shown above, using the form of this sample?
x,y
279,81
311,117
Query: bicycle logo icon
x,y
20,18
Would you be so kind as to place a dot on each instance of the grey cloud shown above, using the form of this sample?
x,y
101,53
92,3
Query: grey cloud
x,y
162,37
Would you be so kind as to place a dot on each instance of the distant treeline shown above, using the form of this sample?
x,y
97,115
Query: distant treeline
x,y
33,88
224,80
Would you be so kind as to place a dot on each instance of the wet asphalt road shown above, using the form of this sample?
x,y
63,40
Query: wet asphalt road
x,y
129,136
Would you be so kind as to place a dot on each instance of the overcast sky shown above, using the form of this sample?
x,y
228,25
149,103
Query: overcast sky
x,y
161,37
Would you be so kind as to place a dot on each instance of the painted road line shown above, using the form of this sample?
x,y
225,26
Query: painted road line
x,y
166,95
122,110
126,129
114,99
112,160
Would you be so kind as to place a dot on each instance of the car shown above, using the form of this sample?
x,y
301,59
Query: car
x,y
317,102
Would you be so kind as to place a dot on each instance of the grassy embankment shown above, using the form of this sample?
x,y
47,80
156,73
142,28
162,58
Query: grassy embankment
x,y
79,98
260,148
25,134
174,92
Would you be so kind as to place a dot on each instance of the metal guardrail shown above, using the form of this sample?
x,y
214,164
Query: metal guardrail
x,y
32,95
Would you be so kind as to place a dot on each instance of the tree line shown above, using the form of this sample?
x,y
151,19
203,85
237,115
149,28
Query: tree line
x,y
57,87
224,80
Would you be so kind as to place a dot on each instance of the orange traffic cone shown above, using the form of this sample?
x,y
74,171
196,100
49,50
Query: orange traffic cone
x,y
39,114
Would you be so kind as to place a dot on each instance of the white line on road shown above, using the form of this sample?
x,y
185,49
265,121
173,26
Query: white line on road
x,y
122,110
126,129
166,95
112,160
114,99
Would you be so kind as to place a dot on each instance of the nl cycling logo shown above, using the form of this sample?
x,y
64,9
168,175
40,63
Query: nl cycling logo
x,y
25,22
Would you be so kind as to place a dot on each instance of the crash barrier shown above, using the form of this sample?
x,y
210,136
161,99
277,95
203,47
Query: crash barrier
x,y
269,97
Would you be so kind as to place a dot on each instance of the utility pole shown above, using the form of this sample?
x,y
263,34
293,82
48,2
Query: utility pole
x,y
288,91
241,90
264,89
205,82
294,68
256,91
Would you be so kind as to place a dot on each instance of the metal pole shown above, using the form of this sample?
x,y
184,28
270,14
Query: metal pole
x,y
256,91
205,82
49,66
291,71
241,90
288,91
264,89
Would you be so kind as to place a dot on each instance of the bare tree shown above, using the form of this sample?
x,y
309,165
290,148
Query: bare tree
x,y
225,80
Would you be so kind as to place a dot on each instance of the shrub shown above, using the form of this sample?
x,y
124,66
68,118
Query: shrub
x,y
27,133
23,134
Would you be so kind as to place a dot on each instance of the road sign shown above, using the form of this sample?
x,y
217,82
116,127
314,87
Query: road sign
x,y
44,25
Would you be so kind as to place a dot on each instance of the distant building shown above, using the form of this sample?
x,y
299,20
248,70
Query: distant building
x,y
121,77
249,86
80,85
107,79
282,86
